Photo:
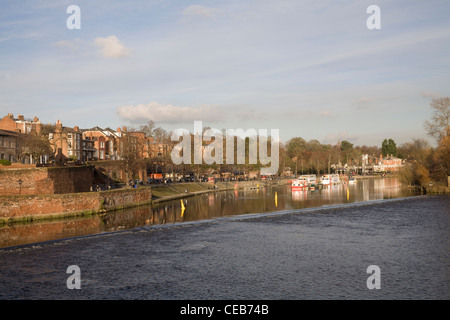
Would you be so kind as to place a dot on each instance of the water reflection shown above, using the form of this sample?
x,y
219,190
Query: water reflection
x,y
205,206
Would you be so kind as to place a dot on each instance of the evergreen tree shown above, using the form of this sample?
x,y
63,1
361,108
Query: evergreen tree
x,y
388,147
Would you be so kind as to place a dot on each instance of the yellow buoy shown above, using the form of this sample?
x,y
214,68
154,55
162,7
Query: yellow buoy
x,y
348,194
182,207
276,199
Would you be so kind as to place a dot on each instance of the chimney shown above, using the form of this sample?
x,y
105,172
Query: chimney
x,y
76,128
38,127
58,126
36,119
20,117
11,116
119,130
124,129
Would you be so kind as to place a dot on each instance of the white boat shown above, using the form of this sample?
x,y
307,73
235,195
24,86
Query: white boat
x,y
328,179
299,184
311,179
351,180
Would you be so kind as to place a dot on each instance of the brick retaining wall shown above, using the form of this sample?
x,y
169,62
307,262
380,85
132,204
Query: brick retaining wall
x,y
25,207
45,180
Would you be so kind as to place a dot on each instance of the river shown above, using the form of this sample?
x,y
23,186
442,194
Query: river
x,y
308,245
203,207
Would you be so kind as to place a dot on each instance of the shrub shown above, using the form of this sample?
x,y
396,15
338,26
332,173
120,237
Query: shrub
x,y
406,175
5,162
414,174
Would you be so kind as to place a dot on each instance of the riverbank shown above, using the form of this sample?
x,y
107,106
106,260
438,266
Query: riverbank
x,y
434,188
437,188
29,208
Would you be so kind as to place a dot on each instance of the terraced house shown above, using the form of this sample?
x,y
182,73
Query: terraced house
x,y
28,141
12,133
9,144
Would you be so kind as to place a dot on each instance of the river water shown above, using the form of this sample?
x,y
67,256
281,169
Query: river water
x,y
247,245
203,207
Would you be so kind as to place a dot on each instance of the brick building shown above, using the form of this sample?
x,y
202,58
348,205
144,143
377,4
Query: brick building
x,y
104,142
388,164
66,142
9,145
20,124
74,144
12,130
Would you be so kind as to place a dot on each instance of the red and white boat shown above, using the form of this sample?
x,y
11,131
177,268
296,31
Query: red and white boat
x,y
311,179
299,184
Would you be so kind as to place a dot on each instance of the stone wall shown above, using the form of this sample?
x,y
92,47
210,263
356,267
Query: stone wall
x,y
14,208
53,180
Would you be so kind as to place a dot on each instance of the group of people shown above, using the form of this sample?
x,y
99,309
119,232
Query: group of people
x,y
99,188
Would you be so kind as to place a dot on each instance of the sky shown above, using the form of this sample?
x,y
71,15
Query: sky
x,y
312,69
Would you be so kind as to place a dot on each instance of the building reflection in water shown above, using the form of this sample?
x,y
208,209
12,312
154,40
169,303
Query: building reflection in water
x,y
201,207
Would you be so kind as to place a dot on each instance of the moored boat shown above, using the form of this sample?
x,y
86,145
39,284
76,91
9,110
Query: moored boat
x,y
299,184
311,179
330,179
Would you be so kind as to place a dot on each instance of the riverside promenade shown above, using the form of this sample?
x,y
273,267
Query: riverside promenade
x,y
171,191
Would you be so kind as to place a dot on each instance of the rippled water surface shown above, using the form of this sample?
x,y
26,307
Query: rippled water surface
x,y
312,253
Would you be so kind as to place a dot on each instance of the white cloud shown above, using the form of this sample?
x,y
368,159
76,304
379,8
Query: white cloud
x,y
160,113
111,47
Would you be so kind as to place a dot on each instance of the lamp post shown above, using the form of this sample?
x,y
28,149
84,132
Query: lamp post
x,y
20,186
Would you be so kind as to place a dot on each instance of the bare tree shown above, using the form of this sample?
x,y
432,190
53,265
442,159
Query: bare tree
x,y
148,128
438,124
34,146
131,153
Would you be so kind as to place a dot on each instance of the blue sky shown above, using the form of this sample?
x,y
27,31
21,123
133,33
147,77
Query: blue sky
x,y
308,68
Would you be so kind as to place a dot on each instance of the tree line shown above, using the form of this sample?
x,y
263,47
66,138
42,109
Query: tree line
x,y
423,162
